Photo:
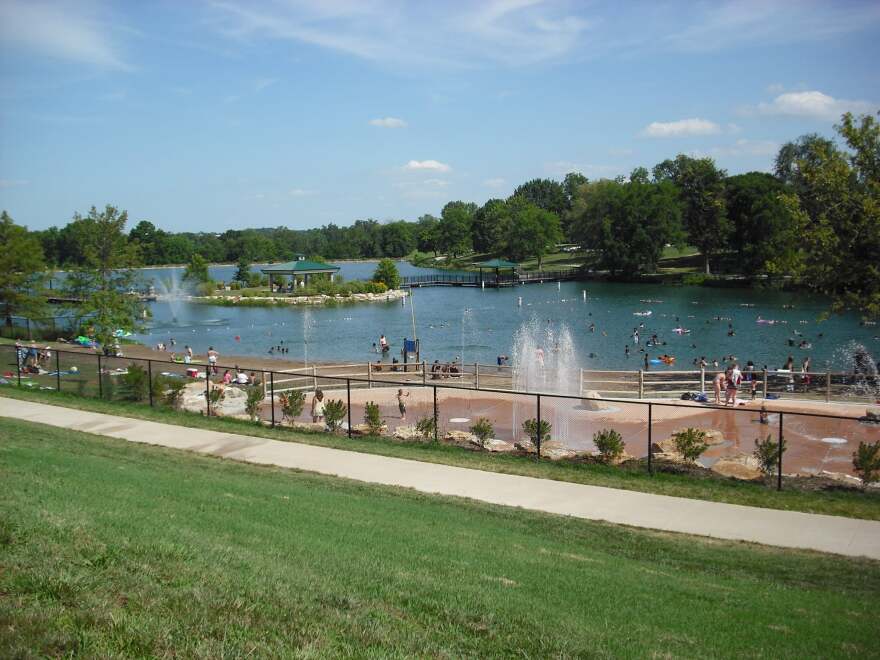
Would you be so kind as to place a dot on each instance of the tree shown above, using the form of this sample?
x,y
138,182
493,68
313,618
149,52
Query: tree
x,y
529,231
398,239
701,191
197,269
545,194
454,228
834,200
571,184
386,272
488,225
627,223
427,233
22,271
242,271
763,230
105,279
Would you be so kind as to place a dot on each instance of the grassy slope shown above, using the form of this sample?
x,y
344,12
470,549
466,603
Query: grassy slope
x,y
835,502
113,548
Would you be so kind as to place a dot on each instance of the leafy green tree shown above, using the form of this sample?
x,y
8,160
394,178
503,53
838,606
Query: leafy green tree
x,y
489,223
426,233
398,239
701,190
545,194
529,232
627,223
386,272
454,228
196,270
835,203
105,279
22,271
762,228
243,271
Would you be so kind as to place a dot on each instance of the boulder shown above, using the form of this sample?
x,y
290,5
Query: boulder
x,y
556,451
842,478
495,445
594,406
193,400
308,426
407,433
740,466
713,437
461,439
364,429
525,445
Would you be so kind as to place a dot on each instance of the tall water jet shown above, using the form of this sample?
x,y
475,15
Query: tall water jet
x,y
862,370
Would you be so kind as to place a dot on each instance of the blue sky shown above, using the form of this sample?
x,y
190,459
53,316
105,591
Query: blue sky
x,y
231,114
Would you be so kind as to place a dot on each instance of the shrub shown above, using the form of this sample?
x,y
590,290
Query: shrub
x,y
108,386
767,453
334,413
425,427
386,273
134,384
215,397
292,404
530,426
255,396
866,461
173,392
690,443
609,443
372,418
483,429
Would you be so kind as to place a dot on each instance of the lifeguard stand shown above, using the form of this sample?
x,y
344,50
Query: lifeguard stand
x,y
410,352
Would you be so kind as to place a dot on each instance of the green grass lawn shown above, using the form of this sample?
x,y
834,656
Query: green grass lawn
x,y
837,501
116,549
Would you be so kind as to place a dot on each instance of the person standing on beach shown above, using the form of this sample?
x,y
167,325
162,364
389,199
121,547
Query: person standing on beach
x,y
212,360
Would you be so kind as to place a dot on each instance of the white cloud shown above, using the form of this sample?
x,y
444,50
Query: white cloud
x,y
388,122
680,128
496,182
13,183
434,165
811,104
300,192
60,31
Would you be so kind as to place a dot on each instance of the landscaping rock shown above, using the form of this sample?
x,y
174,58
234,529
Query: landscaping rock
x,y
740,466
592,405
407,433
307,426
364,429
713,437
525,445
556,451
461,439
842,478
193,400
495,445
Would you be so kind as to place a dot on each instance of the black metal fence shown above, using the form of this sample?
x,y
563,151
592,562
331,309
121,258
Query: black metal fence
x,y
814,441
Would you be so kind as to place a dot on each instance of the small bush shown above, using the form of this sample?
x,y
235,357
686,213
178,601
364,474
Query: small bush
x,y
134,385
215,397
767,454
483,429
334,413
609,443
292,404
255,396
690,443
372,418
425,427
173,392
866,461
530,426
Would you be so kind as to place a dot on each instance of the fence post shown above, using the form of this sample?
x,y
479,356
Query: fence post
x,y
476,375
765,383
207,393
150,380
58,370
641,384
100,379
779,466
315,375
581,382
272,395
436,422
702,379
18,363
827,386
650,440
424,372
348,395
369,375
538,425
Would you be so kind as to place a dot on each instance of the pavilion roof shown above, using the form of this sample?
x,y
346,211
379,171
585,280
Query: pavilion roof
x,y
497,263
300,266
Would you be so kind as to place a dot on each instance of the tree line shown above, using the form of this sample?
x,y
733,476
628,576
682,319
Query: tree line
x,y
814,219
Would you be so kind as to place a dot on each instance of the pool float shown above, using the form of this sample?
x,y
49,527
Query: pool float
x,y
648,313
681,331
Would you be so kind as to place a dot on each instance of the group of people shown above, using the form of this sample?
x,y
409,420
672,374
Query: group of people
x,y
729,381
240,378
445,370
318,407
32,358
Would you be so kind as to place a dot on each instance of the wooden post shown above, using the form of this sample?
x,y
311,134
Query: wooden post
x,y
315,376
476,375
827,386
369,375
581,382
641,384
765,383
702,379
424,372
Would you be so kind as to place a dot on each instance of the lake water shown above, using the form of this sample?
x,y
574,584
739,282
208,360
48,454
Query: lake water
x,y
478,325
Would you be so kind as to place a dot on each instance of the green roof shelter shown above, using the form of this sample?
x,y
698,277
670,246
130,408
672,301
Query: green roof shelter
x,y
497,265
301,268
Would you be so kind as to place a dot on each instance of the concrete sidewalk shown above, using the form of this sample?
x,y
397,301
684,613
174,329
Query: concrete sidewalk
x,y
845,536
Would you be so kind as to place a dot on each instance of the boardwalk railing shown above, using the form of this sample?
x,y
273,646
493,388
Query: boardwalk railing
x,y
487,278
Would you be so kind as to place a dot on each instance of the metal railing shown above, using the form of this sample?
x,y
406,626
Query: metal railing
x,y
92,374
